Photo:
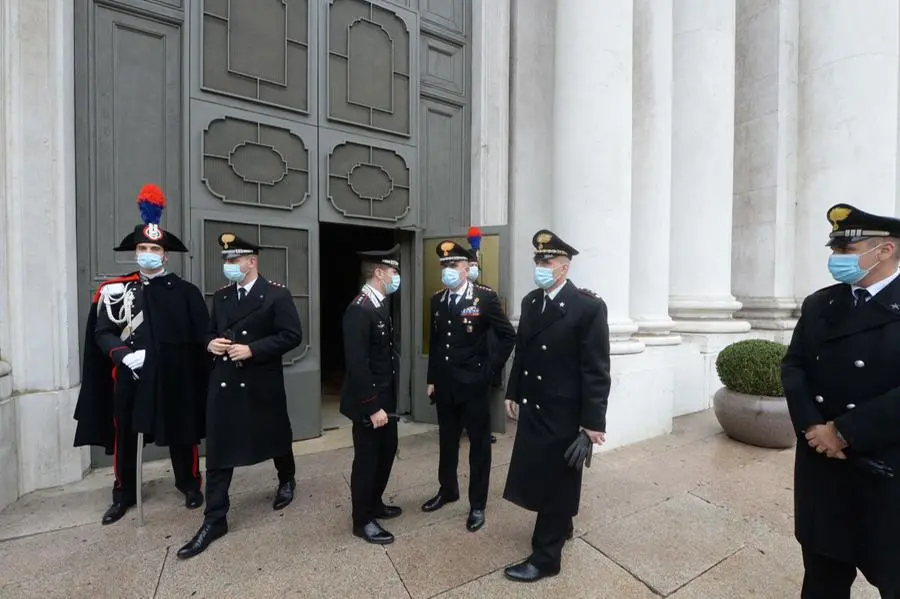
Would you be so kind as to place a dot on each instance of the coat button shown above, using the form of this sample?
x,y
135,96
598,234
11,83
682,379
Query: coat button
x,y
524,401
448,333
526,373
243,385
819,398
850,406
544,347
859,363
243,332
446,358
224,384
448,346
539,377
224,358
538,406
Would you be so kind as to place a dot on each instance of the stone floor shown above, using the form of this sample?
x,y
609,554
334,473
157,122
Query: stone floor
x,y
692,515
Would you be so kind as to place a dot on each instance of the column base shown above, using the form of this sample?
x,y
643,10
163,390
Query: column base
x,y
622,340
706,315
9,440
769,313
657,332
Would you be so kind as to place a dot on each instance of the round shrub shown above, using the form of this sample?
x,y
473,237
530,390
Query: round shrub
x,y
752,367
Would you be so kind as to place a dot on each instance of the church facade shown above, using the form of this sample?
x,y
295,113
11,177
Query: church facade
x,y
687,149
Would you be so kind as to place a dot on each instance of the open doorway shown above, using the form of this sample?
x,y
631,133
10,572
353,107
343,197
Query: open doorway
x,y
340,281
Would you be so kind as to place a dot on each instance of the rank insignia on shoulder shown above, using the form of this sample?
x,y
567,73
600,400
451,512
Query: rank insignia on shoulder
x,y
438,292
360,299
276,284
586,291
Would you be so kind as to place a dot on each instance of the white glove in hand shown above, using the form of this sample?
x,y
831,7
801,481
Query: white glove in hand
x,y
134,360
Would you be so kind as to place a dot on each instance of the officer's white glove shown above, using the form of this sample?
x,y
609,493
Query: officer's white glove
x,y
134,360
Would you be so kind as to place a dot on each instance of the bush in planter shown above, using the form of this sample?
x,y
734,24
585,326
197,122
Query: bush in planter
x,y
751,406
752,367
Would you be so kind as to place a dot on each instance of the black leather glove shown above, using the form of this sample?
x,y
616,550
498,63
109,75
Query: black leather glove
x,y
580,451
876,467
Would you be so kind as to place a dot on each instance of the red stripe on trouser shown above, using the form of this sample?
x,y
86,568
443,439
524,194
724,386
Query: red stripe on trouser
x,y
118,483
195,469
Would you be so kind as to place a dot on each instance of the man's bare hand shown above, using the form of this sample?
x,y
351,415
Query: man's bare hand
x,y
596,436
379,419
218,346
429,390
823,438
239,352
511,409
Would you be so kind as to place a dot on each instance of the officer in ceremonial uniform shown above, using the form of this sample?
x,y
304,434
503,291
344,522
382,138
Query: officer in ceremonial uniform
x,y
842,386
461,364
559,385
144,367
474,239
254,322
369,392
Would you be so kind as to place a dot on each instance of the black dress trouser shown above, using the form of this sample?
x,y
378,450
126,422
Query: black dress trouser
x,y
374,450
185,458
218,480
828,578
548,540
465,407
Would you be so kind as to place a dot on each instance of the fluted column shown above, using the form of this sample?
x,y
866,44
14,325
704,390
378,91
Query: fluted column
x,y
700,296
651,172
848,120
592,151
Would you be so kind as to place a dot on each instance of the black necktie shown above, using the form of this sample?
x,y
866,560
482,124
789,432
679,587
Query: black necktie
x,y
241,293
862,296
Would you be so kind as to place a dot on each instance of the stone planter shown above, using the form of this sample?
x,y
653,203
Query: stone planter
x,y
754,419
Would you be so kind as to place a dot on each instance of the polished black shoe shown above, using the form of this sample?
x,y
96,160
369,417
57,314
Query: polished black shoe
x,y
204,537
386,512
475,520
284,495
193,500
527,572
437,502
116,511
373,533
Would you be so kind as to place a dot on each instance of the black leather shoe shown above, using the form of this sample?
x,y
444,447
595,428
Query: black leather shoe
x,y
475,520
386,512
284,495
116,511
373,533
193,499
527,572
437,502
206,535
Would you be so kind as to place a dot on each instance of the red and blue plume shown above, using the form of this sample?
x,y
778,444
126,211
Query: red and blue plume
x,y
474,238
151,203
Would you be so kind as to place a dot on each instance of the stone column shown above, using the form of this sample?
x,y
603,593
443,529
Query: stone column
x,y
40,318
702,167
651,171
592,151
848,121
765,156
530,131
490,112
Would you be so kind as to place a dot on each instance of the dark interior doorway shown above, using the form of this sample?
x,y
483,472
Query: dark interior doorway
x,y
340,281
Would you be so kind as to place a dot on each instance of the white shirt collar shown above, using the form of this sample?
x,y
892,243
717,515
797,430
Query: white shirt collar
x,y
874,288
551,295
153,276
247,287
461,291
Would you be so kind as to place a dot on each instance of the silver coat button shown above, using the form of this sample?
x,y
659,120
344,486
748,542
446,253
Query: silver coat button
x,y
544,347
243,385
819,398
526,373
446,358
224,384
524,401
859,363
539,377
224,358
850,406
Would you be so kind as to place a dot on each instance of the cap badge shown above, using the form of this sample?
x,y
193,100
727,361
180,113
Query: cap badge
x,y
226,239
542,239
836,215
446,247
152,231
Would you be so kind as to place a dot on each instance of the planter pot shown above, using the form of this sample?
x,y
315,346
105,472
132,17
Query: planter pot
x,y
754,419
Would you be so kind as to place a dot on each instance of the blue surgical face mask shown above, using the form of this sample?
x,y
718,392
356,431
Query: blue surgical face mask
x,y
473,272
233,272
450,277
393,285
543,277
845,267
148,261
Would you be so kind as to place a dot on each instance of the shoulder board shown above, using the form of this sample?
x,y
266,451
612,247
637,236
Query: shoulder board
x,y
223,288
360,299
438,292
588,293
122,280
274,284
483,287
